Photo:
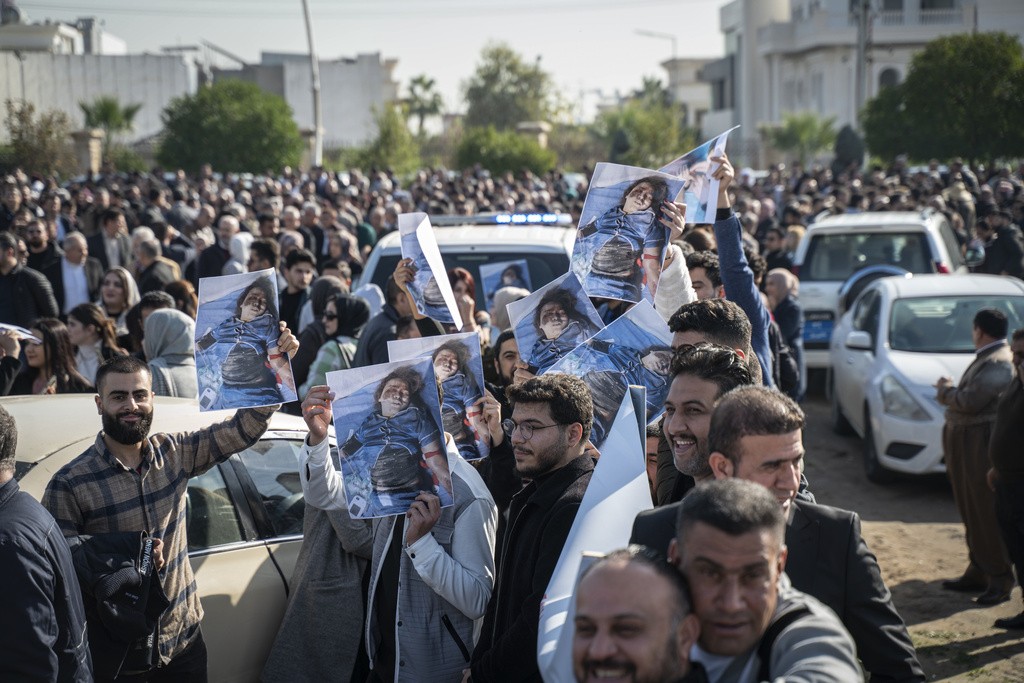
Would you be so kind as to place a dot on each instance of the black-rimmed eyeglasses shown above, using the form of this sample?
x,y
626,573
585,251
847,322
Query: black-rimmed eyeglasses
x,y
526,429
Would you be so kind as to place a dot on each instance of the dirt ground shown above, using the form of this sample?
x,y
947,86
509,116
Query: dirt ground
x,y
913,528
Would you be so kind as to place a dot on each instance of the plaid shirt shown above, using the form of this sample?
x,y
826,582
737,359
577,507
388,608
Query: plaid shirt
x,y
95,494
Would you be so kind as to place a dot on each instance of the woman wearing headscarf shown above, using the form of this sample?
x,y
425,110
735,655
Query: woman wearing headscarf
x,y
343,319
170,349
118,293
783,290
313,335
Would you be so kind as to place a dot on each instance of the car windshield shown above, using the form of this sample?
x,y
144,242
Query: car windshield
x,y
942,324
543,267
837,256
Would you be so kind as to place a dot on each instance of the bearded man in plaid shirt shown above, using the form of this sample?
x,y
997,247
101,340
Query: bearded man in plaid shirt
x,y
129,480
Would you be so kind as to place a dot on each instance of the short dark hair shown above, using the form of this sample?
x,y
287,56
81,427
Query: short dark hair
x,y
992,322
751,411
775,230
652,559
122,365
1017,335
392,291
111,214
720,321
456,347
720,365
8,440
264,285
659,192
757,264
709,262
266,250
502,338
297,256
8,240
567,395
734,506
156,299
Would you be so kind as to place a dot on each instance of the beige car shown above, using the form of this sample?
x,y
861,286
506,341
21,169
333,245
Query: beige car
x,y
244,516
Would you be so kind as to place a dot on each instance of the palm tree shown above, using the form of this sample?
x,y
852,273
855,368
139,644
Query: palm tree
x,y
106,113
424,101
804,134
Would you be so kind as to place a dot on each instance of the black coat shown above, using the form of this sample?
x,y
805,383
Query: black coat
x,y
93,279
43,618
155,276
33,297
541,516
98,250
828,560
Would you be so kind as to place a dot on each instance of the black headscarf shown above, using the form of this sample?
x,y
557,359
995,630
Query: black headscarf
x,y
353,313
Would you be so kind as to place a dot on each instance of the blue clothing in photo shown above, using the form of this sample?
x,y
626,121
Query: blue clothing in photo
x,y
612,248
391,450
459,394
240,352
547,352
614,368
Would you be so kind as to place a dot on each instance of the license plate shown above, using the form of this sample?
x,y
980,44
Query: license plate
x,y
818,327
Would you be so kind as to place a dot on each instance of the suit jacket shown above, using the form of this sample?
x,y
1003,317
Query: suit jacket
x,y
98,250
828,560
33,297
155,276
93,279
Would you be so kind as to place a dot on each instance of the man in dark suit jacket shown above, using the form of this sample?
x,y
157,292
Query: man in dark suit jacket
x,y
76,253
25,295
114,231
756,434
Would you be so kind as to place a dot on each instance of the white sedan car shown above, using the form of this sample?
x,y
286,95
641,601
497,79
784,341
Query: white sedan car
x,y
888,350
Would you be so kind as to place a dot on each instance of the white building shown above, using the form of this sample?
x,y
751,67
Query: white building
x,y
57,66
350,91
687,89
800,55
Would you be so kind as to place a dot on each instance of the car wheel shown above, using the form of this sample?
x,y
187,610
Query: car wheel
x,y
873,469
840,425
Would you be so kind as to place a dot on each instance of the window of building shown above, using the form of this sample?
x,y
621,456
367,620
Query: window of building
x,y
938,4
888,78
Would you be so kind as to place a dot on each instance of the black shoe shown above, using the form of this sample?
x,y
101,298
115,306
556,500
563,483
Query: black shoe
x,y
993,596
963,585
1015,623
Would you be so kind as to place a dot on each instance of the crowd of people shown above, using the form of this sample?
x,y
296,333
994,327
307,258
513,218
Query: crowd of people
x,y
736,574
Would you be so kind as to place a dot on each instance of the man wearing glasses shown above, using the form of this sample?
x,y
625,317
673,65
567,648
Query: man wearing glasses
x,y
549,427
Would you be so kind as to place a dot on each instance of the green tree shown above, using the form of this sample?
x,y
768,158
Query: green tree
x,y
233,125
424,101
504,90
803,135
647,130
962,96
502,151
393,147
39,142
107,114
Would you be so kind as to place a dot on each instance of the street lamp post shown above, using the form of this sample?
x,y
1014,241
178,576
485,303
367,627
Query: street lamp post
x,y
314,64
659,34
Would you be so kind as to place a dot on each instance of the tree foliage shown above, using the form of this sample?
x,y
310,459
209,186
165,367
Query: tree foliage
x,y
505,90
647,130
963,96
234,125
107,114
849,150
39,142
424,101
393,147
502,151
803,135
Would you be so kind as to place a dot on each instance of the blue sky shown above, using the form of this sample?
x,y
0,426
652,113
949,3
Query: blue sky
x,y
587,45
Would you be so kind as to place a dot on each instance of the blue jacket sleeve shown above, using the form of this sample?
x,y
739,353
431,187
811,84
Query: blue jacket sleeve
x,y
738,280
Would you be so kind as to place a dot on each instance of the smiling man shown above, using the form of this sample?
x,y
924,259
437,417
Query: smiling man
x,y
130,481
633,622
549,427
754,625
756,435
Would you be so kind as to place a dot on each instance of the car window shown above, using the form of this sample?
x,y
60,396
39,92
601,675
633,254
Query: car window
x,y
212,517
543,267
272,465
944,324
956,259
836,256
866,317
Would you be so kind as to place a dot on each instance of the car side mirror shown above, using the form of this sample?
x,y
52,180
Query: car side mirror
x,y
860,340
974,255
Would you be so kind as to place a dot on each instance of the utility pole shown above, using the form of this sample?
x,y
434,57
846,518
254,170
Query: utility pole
x,y
863,15
314,65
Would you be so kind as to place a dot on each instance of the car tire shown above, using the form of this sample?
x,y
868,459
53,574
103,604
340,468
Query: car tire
x,y
840,425
873,469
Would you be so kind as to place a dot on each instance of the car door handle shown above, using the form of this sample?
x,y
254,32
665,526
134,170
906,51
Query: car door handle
x,y
849,360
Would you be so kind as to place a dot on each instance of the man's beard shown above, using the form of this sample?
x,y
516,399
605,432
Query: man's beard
x,y
127,433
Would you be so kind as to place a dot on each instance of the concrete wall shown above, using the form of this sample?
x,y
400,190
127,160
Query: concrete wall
x,y
62,81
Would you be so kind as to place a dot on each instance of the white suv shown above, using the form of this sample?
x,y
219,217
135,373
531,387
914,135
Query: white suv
x,y
837,247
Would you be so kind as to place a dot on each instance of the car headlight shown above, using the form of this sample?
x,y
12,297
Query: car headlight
x,y
899,402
